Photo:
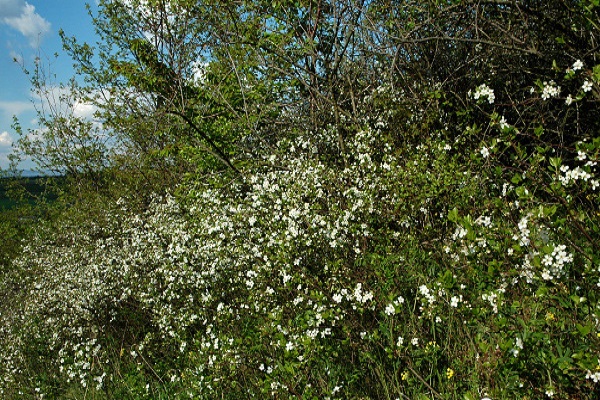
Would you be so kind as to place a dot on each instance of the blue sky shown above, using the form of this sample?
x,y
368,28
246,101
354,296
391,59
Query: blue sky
x,y
29,28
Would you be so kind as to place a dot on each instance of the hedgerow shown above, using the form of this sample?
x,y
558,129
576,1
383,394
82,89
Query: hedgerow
x,y
463,267
317,200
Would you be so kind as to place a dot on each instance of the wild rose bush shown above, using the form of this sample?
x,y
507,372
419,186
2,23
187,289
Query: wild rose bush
x,y
435,262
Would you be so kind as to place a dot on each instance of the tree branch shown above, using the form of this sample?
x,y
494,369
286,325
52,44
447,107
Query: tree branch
x,y
219,153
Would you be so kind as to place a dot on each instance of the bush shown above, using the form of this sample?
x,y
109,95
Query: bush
x,y
435,271
429,231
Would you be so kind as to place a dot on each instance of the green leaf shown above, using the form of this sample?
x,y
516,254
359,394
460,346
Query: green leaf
x,y
584,330
448,279
550,210
596,73
471,234
538,131
542,291
522,191
453,215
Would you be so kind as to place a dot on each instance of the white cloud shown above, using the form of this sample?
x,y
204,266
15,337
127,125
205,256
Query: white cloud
x,y
84,110
4,160
10,8
5,139
20,15
63,101
10,108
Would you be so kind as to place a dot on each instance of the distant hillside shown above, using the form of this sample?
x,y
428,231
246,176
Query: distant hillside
x,y
29,188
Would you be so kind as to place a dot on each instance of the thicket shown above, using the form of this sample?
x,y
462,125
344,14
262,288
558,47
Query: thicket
x,y
316,199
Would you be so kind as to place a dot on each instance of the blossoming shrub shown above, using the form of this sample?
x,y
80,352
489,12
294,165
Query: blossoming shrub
x,y
537,238
438,261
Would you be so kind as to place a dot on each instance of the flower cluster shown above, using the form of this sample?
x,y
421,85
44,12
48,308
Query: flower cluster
x,y
577,65
493,299
390,309
554,263
550,89
183,275
569,176
594,376
484,91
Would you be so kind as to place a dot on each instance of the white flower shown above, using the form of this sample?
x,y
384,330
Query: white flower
x,y
484,152
400,341
484,90
593,376
550,90
503,123
577,65
454,301
587,86
569,100
484,220
415,341
286,278
390,309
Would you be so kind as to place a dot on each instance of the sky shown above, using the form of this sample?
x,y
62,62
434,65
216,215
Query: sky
x,y
29,29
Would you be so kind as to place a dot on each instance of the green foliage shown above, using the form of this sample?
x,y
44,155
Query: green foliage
x,y
350,201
